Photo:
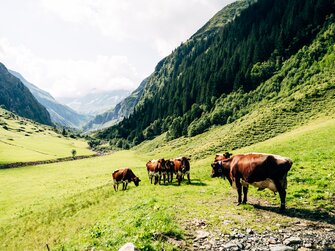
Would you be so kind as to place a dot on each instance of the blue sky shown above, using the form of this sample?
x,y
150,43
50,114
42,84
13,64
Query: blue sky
x,y
69,47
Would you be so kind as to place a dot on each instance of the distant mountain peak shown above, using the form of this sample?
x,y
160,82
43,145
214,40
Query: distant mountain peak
x,y
96,101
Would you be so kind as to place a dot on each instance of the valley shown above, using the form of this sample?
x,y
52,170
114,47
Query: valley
x,y
72,205
258,77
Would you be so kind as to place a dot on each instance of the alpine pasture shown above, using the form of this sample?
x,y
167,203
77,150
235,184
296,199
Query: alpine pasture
x,y
73,206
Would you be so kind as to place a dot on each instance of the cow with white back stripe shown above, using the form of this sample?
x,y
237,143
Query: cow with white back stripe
x,y
258,169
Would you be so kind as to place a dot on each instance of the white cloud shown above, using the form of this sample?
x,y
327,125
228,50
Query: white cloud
x,y
70,78
68,47
167,21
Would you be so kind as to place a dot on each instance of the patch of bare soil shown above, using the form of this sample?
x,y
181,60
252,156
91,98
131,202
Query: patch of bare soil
x,y
308,230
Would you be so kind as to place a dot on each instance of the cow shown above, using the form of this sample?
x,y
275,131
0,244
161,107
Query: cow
x,y
258,169
124,176
182,167
169,168
155,169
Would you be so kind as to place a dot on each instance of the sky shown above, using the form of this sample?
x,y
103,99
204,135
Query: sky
x,y
72,47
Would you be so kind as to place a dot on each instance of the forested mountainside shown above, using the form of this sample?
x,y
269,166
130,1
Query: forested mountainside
x,y
218,75
16,97
60,114
120,111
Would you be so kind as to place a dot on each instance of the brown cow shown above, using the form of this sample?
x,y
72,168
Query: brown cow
x,y
155,169
258,169
182,167
169,168
124,176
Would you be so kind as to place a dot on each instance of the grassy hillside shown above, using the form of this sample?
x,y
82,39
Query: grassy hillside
x,y
72,206
22,140
291,98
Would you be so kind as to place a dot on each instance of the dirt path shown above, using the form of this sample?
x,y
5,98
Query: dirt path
x,y
307,230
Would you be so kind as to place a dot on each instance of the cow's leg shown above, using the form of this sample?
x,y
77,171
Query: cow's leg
x,y
239,190
116,186
188,178
125,185
282,194
179,177
164,177
245,194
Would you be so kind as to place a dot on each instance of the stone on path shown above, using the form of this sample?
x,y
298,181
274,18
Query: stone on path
x,y
280,247
128,247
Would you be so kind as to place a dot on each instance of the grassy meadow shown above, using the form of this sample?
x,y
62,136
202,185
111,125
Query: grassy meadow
x,y
22,140
72,205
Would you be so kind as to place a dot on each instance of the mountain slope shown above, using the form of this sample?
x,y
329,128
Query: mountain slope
x,y
22,140
16,97
120,111
230,61
60,114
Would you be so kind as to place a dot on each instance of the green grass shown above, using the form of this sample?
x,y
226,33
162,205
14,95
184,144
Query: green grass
x,y
22,140
72,205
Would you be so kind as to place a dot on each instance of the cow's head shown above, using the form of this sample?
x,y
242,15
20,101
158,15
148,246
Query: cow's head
x,y
219,169
161,165
136,181
185,164
169,165
222,156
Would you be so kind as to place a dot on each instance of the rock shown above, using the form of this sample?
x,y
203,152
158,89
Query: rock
x,y
201,234
272,240
231,245
308,245
292,241
303,249
128,247
249,231
280,247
